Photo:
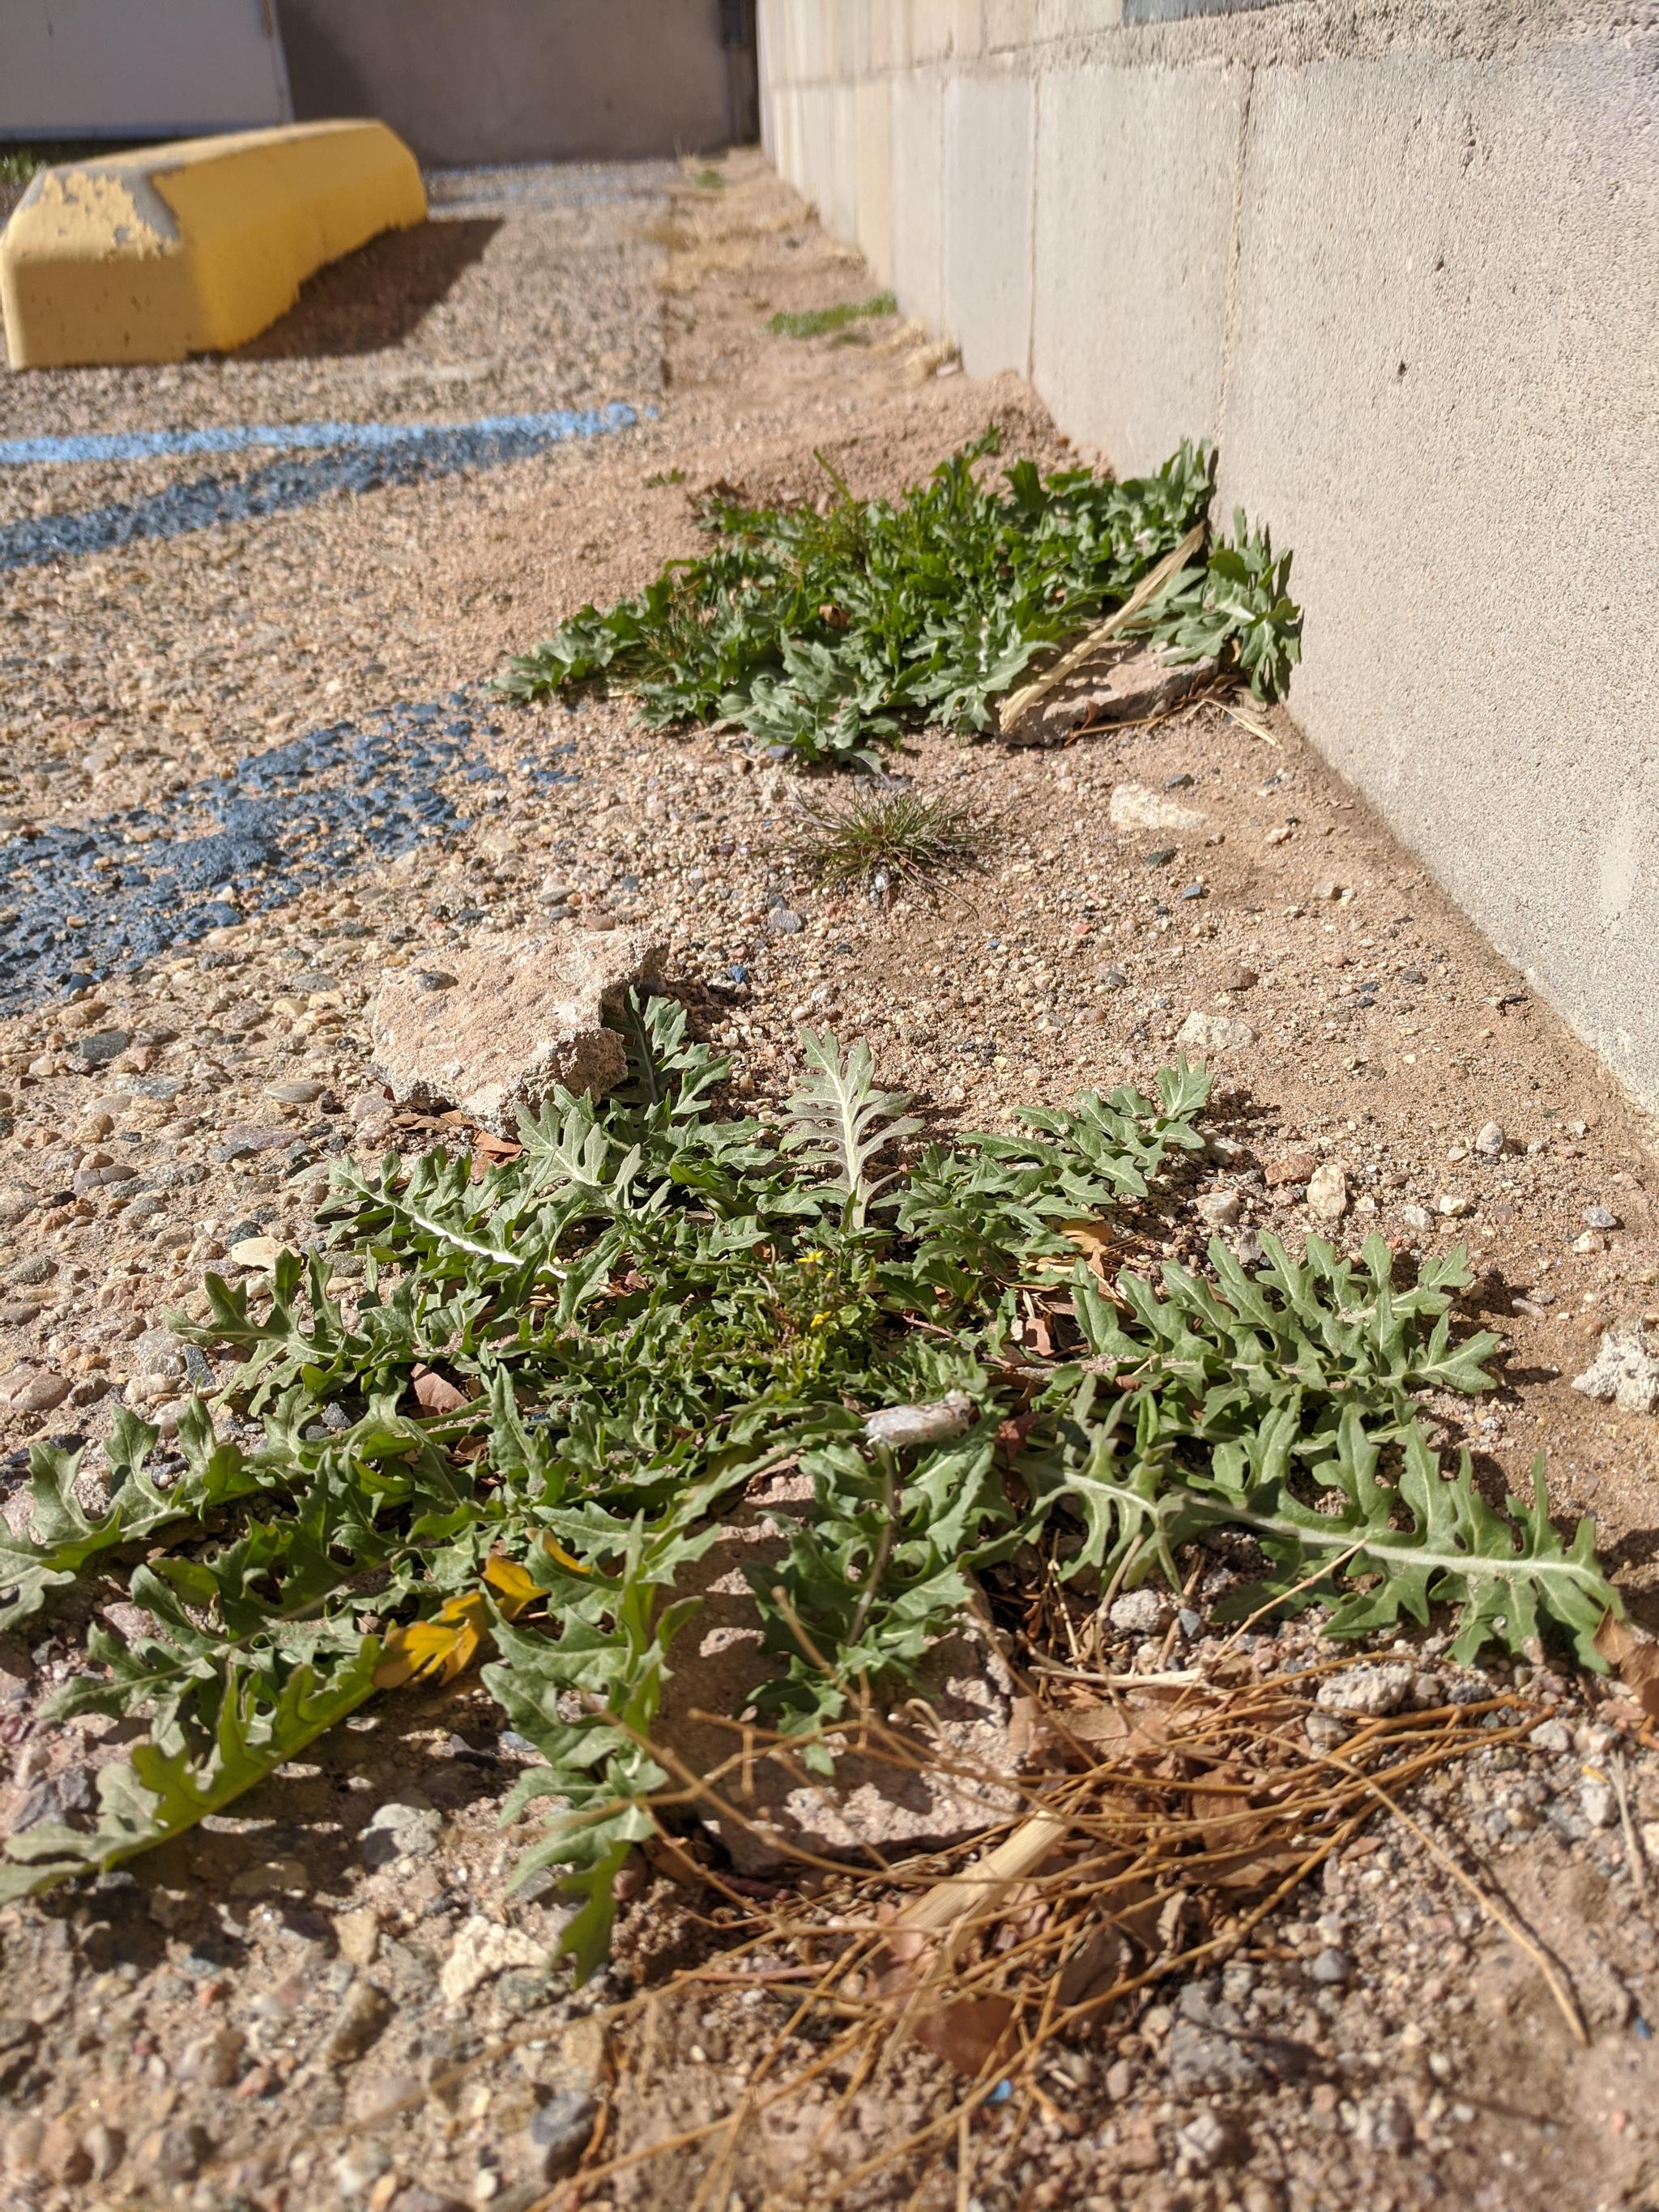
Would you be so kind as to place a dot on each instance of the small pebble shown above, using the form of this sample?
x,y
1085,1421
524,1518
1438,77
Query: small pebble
x,y
1597,1802
1138,1613
1221,1208
1328,1192
360,2018
558,2134
103,1045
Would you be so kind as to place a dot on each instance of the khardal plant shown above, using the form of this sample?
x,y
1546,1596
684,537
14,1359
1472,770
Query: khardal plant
x,y
825,636
551,1383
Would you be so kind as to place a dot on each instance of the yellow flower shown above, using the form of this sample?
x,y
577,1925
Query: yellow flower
x,y
451,1641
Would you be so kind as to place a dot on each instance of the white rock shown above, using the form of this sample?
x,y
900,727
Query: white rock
x,y
1597,1802
1373,1691
1213,1033
1202,2142
400,1831
905,1427
1624,1371
1220,1208
1138,1613
359,2168
1489,1139
481,1948
1136,806
257,1251
1328,1192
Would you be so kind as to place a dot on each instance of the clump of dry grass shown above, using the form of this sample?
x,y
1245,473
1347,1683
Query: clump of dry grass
x,y
1162,1821
883,836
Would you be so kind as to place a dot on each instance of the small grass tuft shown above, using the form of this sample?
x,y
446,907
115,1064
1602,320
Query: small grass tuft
x,y
883,836
817,322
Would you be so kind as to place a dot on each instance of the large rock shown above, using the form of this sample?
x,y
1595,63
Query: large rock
x,y
498,1026
947,1781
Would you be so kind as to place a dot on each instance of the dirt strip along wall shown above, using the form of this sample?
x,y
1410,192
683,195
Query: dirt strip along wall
x,y
1401,262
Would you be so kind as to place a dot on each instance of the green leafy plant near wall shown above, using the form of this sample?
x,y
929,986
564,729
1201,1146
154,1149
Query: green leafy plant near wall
x,y
825,636
820,322
558,1379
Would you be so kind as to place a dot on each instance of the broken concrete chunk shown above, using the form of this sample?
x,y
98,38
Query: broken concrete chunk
x,y
1135,806
1128,684
946,1779
1118,683
517,1021
1624,1369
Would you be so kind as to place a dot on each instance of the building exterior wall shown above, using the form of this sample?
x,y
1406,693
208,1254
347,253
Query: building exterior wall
x,y
138,69
490,81
1402,261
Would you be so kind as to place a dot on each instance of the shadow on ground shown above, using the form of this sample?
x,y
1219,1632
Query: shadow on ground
x,y
375,297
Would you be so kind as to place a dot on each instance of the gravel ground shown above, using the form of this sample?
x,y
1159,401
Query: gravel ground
x,y
264,794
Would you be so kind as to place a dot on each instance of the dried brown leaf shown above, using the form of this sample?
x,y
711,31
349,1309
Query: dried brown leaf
x,y
965,2032
1138,1721
435,1394
1636,1658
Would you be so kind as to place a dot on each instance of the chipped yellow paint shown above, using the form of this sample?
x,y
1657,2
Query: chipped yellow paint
x,y
193,247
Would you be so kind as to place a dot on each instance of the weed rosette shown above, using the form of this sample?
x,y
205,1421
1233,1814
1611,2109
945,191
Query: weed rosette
x,y
521,1427
825,635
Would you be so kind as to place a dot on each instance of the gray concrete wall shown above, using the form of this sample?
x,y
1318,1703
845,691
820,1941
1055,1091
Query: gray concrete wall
x,y
488,81
110,69
1401,260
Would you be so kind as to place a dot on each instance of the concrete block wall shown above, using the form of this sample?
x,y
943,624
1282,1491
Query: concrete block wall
x,y
1401,260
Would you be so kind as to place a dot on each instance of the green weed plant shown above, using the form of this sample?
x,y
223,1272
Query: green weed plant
x,y
654,1305
826,635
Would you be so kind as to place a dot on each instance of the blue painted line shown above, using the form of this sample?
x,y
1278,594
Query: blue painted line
x,y
550,428
282,486
89,901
